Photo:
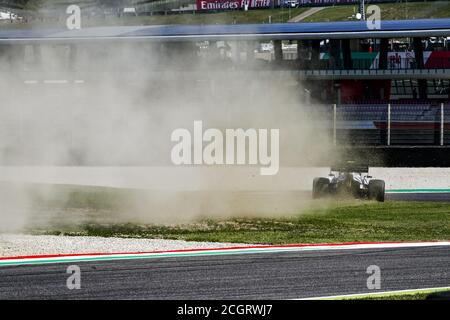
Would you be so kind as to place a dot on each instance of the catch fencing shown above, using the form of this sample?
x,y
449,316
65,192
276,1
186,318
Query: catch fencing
x,y
411,124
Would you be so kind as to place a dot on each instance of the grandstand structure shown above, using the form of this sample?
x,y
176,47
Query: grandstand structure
x,y
385,88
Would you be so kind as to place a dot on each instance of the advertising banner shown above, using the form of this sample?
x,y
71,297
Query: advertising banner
x,y
231,4
240,4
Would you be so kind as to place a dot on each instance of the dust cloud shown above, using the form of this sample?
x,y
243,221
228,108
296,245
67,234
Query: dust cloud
x,y
115,105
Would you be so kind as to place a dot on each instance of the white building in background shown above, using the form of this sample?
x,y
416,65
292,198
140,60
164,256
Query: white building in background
x,y
7,16
129,11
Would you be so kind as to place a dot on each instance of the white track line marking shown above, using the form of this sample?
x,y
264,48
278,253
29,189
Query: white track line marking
x,y
202,252
377,293
56,81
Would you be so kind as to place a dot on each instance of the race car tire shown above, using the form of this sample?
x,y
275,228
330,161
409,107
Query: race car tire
x,y
376,190
320,187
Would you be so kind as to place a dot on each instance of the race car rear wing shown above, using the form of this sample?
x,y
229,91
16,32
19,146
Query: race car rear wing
x,y
351,167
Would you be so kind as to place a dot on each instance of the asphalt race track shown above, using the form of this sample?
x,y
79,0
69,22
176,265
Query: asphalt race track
x,y
282,275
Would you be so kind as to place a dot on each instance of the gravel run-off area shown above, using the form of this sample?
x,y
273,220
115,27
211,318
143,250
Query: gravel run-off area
x,y
12,245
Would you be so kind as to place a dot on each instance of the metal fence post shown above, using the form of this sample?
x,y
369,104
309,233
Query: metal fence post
x,y
389,125
334,123
442,124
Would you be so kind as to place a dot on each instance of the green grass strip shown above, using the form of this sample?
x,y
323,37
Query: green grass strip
x,y
412,294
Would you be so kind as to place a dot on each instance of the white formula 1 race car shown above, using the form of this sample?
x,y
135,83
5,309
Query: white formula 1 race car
x,y
349,180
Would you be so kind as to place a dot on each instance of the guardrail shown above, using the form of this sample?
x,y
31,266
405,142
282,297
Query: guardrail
x,y
375,74
388,125
392,63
